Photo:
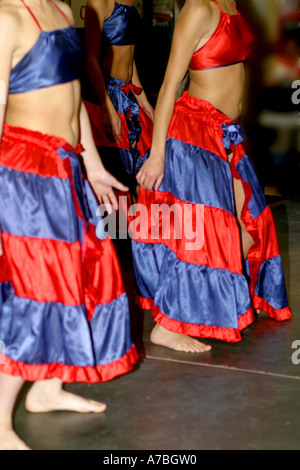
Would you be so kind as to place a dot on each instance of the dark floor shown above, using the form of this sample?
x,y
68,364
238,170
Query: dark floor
x,y
238,396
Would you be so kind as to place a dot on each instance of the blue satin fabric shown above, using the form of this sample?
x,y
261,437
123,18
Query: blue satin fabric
x,y
195,175
127,105
46,333
43,207
77,181
233,134
54,59
257,202
271,284
110,329
187,292
37,206
121,28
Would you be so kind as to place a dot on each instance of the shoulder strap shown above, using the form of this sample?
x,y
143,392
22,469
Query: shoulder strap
x,y
36,21
218,6
233,4
61,12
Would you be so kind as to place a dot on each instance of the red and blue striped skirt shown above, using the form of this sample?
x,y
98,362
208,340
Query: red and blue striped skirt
x,y
126,156
63,309
204,287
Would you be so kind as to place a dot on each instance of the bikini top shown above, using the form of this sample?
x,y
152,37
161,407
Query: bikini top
x,y
121,27
230,43
54,59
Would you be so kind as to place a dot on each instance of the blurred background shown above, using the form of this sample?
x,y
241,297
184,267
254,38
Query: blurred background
x,y
272,98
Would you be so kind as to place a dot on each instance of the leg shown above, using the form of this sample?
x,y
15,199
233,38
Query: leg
x,y
176,341
48,395
9,390
239,197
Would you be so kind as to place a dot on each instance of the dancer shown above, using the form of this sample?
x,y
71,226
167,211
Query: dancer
x,y
120,114
198,168
63,310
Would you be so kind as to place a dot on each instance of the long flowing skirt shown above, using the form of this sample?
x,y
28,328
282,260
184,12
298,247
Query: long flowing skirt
x,y
63,309
187,248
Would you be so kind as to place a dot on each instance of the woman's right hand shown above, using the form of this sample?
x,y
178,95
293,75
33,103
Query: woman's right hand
x,y
151,174
112,125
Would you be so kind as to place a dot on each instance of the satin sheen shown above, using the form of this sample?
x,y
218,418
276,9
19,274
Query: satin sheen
x,y
121,27
230,43
54,59
208,291
63,309
136,126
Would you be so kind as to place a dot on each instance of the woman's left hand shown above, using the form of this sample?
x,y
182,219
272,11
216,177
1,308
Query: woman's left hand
x,y
103,183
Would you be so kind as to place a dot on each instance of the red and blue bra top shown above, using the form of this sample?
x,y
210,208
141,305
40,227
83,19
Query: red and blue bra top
x,y
121,27
54,59
230,43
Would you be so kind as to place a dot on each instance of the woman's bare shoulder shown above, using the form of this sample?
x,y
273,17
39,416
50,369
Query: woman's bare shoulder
x,y
195,11
196,14
10,18
66,9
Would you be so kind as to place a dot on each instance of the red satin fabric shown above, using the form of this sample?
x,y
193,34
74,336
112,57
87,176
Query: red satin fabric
x,y
217,251
84,272
69,374
98,128
230,43
34,265
101,138
205,331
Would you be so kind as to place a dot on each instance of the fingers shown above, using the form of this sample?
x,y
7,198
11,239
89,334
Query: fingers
x,y
120,186
110,180
110,202
149,181
159,181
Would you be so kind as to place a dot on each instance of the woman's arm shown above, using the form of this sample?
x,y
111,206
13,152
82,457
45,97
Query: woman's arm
x,y
101,180
96,12
142,98
191,25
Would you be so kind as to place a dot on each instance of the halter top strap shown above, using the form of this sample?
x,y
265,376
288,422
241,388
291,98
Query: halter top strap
x,y
218,6
221,8
33,16
35,19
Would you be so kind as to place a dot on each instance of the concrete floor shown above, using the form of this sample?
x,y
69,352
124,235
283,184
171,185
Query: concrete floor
x,y
238,396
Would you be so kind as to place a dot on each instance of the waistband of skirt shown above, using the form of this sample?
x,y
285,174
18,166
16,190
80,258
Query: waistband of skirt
x,y
202,108
46,141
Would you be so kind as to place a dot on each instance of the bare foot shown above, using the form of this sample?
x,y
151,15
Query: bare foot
x,y
176,341
43,398
9,440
